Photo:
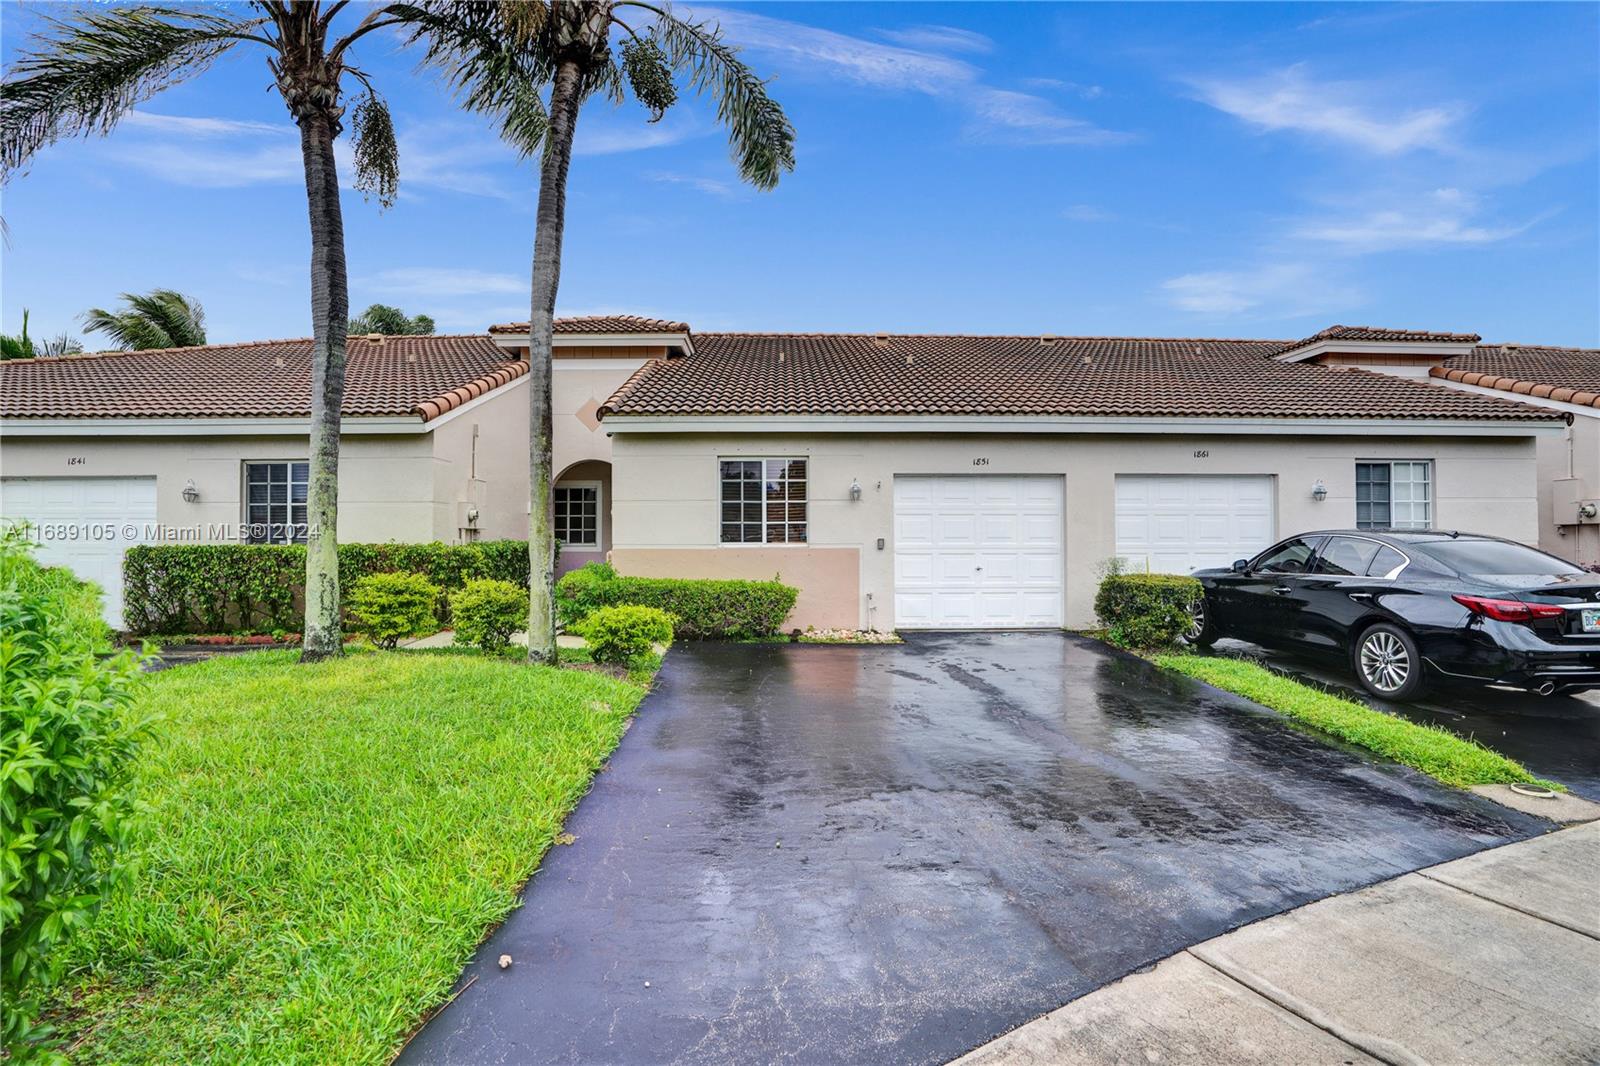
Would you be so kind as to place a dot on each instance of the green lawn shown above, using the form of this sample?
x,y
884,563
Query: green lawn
x,y
330,842
1440,753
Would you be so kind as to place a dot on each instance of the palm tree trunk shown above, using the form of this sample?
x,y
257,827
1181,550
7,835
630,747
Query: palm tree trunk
x,y
330,309
564,102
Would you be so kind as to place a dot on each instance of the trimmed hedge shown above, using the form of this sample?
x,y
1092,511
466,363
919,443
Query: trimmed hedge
x,y
704,609
623,634
222,588
1146,610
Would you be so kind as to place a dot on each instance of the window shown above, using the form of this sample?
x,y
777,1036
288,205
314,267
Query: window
x,y
1346,556
1387,563
1394,495
275,502
1290,557
763,501
577,514
1499,561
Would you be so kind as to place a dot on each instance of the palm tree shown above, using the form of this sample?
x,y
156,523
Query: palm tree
x,y
161,318
84,72
391,321
22,346
495,54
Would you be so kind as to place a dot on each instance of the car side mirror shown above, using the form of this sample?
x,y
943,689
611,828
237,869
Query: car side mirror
x,y
1241,566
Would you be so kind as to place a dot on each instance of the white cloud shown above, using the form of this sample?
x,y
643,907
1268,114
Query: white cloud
x,y
441,282
194,126
998,115
1442,217
726,190
1283,290
637,136
1087,92
1344,112
940,39
1003,115
1087,213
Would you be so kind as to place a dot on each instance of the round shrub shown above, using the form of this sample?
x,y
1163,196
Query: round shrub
x,y
70,739
486,612
622,634
1146,610
392,607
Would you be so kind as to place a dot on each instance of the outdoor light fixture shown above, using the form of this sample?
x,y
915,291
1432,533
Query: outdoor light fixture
x,y
855,491
1319,491
190,493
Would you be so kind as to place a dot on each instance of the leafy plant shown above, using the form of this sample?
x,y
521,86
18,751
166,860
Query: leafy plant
x,y
390,321
223,588
69,743
703,609
22,346
623,634
160,318
486,612
391,607
1146,610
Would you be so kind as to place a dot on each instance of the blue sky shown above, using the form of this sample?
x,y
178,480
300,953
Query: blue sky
x,y
1254,170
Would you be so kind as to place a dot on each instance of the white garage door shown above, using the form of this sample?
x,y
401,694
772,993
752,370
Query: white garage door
x,y
85,524
1172,524
977,552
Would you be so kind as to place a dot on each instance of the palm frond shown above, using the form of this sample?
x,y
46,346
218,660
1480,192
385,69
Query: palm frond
x,y
489,53
83,73
161,318
759,133
377,153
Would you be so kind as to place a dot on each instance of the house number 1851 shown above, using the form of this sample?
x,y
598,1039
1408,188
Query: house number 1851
x,y
982,460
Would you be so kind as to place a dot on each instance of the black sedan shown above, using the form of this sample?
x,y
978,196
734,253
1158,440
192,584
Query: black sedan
x,y
1406,607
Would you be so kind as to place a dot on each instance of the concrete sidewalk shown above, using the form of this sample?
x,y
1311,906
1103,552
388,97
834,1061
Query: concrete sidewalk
x,y
1490,959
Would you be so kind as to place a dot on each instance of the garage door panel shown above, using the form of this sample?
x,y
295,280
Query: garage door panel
x,y
994,559
1176,523
108,514
913,530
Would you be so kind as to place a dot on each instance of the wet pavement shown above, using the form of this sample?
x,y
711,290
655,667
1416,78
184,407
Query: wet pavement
x,y
896,853
1554,736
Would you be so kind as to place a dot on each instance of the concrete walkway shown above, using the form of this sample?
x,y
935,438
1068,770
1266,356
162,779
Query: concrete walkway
x,y
1494,958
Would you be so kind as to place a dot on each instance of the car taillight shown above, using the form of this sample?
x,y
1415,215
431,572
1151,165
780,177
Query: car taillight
x,y
1508,610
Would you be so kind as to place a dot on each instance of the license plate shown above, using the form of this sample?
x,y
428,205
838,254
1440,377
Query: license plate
x,y
1589,620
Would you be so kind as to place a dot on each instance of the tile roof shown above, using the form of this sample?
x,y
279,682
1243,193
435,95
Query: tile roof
x,y
1383,333
601,324
423,376
867,374
1570,375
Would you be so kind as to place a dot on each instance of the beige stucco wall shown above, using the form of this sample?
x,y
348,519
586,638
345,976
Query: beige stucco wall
x,y
1569,470
667,495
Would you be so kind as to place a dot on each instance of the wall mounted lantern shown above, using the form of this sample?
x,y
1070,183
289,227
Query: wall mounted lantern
x,y
190,493
855,491
1319,491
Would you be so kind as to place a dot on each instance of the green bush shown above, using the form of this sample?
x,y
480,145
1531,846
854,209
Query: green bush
x,y
78,606
225,588
486,612
391,607
69,741
623,634
703,609
1146,610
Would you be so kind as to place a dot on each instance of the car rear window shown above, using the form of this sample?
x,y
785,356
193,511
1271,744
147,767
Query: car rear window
x,y
1346,556
1498,560
1385,562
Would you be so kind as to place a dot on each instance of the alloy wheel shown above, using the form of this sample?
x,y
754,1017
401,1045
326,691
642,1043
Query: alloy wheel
x,y
1384,661
1197,620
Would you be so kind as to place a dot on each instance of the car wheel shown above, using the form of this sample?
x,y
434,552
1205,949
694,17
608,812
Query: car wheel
x,y
1201,634
1388,663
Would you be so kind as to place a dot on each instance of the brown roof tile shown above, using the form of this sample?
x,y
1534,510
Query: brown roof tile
x,y
422,376
1571,375
1383,333
601,324
749,374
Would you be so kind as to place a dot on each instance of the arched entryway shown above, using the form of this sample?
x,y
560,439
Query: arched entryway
x,y
582,512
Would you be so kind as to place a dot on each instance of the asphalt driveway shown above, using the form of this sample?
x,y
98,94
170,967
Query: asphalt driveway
x,y
1554,736
896,853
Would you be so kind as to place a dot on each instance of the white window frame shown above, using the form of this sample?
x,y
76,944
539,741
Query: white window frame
x,y
1428,504
764,542
247,524
599,514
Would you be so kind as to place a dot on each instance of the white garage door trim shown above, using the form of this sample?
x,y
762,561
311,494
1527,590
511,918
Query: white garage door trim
x,y
978,551
1177,523
85,524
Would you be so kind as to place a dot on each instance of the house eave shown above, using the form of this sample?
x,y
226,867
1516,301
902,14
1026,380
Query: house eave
x,y
210,427
1402,349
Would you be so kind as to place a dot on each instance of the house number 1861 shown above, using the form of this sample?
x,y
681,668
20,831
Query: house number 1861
x,y
1201,453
